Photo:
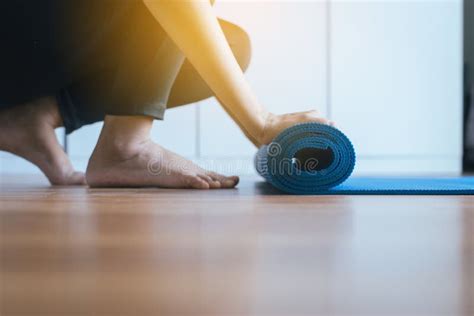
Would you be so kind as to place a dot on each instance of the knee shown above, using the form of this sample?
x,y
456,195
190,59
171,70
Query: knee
x,y
239,42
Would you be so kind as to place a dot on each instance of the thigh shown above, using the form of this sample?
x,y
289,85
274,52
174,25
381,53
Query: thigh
x,y
115,74
138,56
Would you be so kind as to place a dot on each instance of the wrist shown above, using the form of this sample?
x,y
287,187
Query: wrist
x,y
266,119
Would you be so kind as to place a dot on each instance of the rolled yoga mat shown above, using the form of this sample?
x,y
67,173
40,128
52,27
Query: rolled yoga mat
x,y
306,158
312,158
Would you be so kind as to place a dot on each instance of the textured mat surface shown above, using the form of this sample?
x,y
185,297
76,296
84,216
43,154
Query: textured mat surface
x,y
312,158
404,186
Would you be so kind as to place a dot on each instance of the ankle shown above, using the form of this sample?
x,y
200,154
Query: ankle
x,y
50,106
124,136
267,119
128,128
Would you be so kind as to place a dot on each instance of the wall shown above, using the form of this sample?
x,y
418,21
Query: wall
x,y
388,72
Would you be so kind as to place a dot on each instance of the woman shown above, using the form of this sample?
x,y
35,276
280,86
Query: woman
x,y
74,62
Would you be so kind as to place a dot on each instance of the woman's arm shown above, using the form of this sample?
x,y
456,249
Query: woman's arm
x,y
193,26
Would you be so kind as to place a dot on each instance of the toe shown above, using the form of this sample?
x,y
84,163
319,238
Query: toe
x,y
195,182
213,184
226,182
236,180
73,178
78,178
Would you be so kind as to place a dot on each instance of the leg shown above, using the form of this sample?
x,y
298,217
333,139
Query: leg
x,y
28,74
88,100
189,87
27,131
125,154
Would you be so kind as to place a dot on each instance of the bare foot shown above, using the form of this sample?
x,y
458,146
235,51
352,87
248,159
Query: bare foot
x,y
28,131
125,156
275,124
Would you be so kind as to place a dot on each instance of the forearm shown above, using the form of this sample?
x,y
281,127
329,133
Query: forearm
x,y
193,26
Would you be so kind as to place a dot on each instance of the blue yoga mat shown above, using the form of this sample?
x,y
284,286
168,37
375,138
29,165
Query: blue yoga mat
x,y
306,159
405,186
313,158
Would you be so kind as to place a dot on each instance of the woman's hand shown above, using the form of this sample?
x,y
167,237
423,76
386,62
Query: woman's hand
x,y
275,124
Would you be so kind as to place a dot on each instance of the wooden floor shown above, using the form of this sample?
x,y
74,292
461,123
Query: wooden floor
x,y
249,251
